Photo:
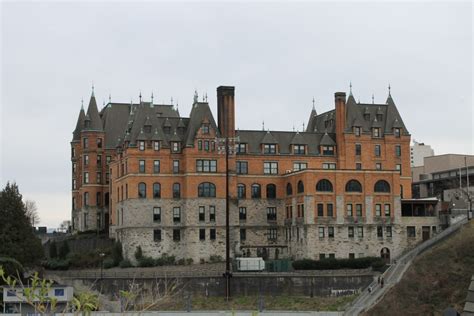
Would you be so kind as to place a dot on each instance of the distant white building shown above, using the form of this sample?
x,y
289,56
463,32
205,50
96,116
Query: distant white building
x,y
418,152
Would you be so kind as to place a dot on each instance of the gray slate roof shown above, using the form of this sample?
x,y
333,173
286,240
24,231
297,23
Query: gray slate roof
x,y
76,135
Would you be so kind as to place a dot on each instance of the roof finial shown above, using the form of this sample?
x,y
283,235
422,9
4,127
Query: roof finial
x,y
171,100
82,103
263,125
140,96
350,87
293,127
93,95
313,104
389,90
195,96
303,127
110,98
372,98
152,98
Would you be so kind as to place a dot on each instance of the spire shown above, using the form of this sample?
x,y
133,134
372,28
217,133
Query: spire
x,y
93,114
82,104
389,95
93,89
314,109
372,98
350,88
151,103
263,125
140,96
76,134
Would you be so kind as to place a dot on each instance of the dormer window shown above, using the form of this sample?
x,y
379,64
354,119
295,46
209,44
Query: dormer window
x,y
241,148
141,145
156,145
396,132
298,149
147,128
175,147
375,132
269,148
357,131
205,128
379,117
167,129
367,116
327,150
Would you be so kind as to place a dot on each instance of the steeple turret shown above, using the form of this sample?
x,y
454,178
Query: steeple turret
x,y
93,114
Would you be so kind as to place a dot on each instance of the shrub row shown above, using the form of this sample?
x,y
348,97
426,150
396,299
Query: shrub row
x,y
335,264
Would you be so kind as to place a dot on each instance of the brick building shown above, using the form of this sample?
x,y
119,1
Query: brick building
x,y
158,179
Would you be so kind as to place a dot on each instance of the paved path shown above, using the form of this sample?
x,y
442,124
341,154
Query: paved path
x,y
395,272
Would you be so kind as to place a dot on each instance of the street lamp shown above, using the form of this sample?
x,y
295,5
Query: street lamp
x,y
227,145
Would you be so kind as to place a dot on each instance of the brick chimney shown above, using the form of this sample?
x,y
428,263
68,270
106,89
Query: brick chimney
x,y
340,100
226,111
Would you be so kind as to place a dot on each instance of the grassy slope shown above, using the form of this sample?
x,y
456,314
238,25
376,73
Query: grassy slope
x,y
437,279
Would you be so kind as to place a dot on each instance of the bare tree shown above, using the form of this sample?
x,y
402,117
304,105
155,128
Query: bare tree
x,y
64,226
32,212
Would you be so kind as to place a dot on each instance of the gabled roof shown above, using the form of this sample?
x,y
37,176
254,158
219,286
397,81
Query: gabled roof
x,y
199,112
326,140
268,139
298,139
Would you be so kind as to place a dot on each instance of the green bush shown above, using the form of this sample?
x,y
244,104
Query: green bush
x,y
189,261
125,264
56,264
53,250
146,262
379,265
335,264
181,262
138,253
109,263
64,250
216,258
85,260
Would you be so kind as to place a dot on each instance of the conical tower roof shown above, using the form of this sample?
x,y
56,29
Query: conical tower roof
x,y
93,113
76,135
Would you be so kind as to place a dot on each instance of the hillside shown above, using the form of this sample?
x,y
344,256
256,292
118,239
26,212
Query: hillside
x,y
437,279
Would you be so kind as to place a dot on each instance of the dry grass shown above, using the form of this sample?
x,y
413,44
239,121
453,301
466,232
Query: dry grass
x,y
291,303
437,279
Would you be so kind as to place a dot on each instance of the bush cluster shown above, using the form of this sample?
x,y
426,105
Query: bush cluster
x,y
335,264
215,258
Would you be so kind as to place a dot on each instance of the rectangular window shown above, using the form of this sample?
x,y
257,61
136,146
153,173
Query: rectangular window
x,y
388,231
99,161
269,148
330,210
358,149
299,149
176,214
156,214
74,184
202,234
85,142
73,152
271,214
272,234
376,132
242,213
358,166
243,234
175,147
378,209
328,150
350,231
141,145
212,213
141,166
58,292
206,145
270,167
74,167
202,213
378,166
377,151
411,232
398,150
357,131
199,144
396,131
387,210
379,231
297,166
212,234
360,232
331,232
86,177
99,177
398,167
320,207
351,255
349,209
176,234
321,232
156,145
241,148
205,128
359,209
242,167
176,190
156,166
175,166
329,166
206,165
157,235
107,178
108,159
86,160
322,256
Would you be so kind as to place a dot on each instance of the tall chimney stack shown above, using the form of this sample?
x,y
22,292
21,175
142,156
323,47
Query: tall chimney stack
x,y
340,100
226,111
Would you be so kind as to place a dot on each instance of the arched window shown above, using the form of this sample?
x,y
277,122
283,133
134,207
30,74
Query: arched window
x,y
324,185
300,187
289,189
142,190
176,190
156,190
207,189
256,191
241,191
353,186
271,191
382,186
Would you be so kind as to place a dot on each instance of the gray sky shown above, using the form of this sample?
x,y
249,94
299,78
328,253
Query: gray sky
x,y
277,55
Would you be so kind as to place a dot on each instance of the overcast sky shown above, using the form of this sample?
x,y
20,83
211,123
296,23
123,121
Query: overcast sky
x,y
277,55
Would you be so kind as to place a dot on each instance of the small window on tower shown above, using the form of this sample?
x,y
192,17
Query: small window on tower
x,y
205,128
99,142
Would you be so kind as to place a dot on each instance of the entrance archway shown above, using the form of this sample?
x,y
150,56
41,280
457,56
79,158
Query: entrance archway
x,y
385,254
